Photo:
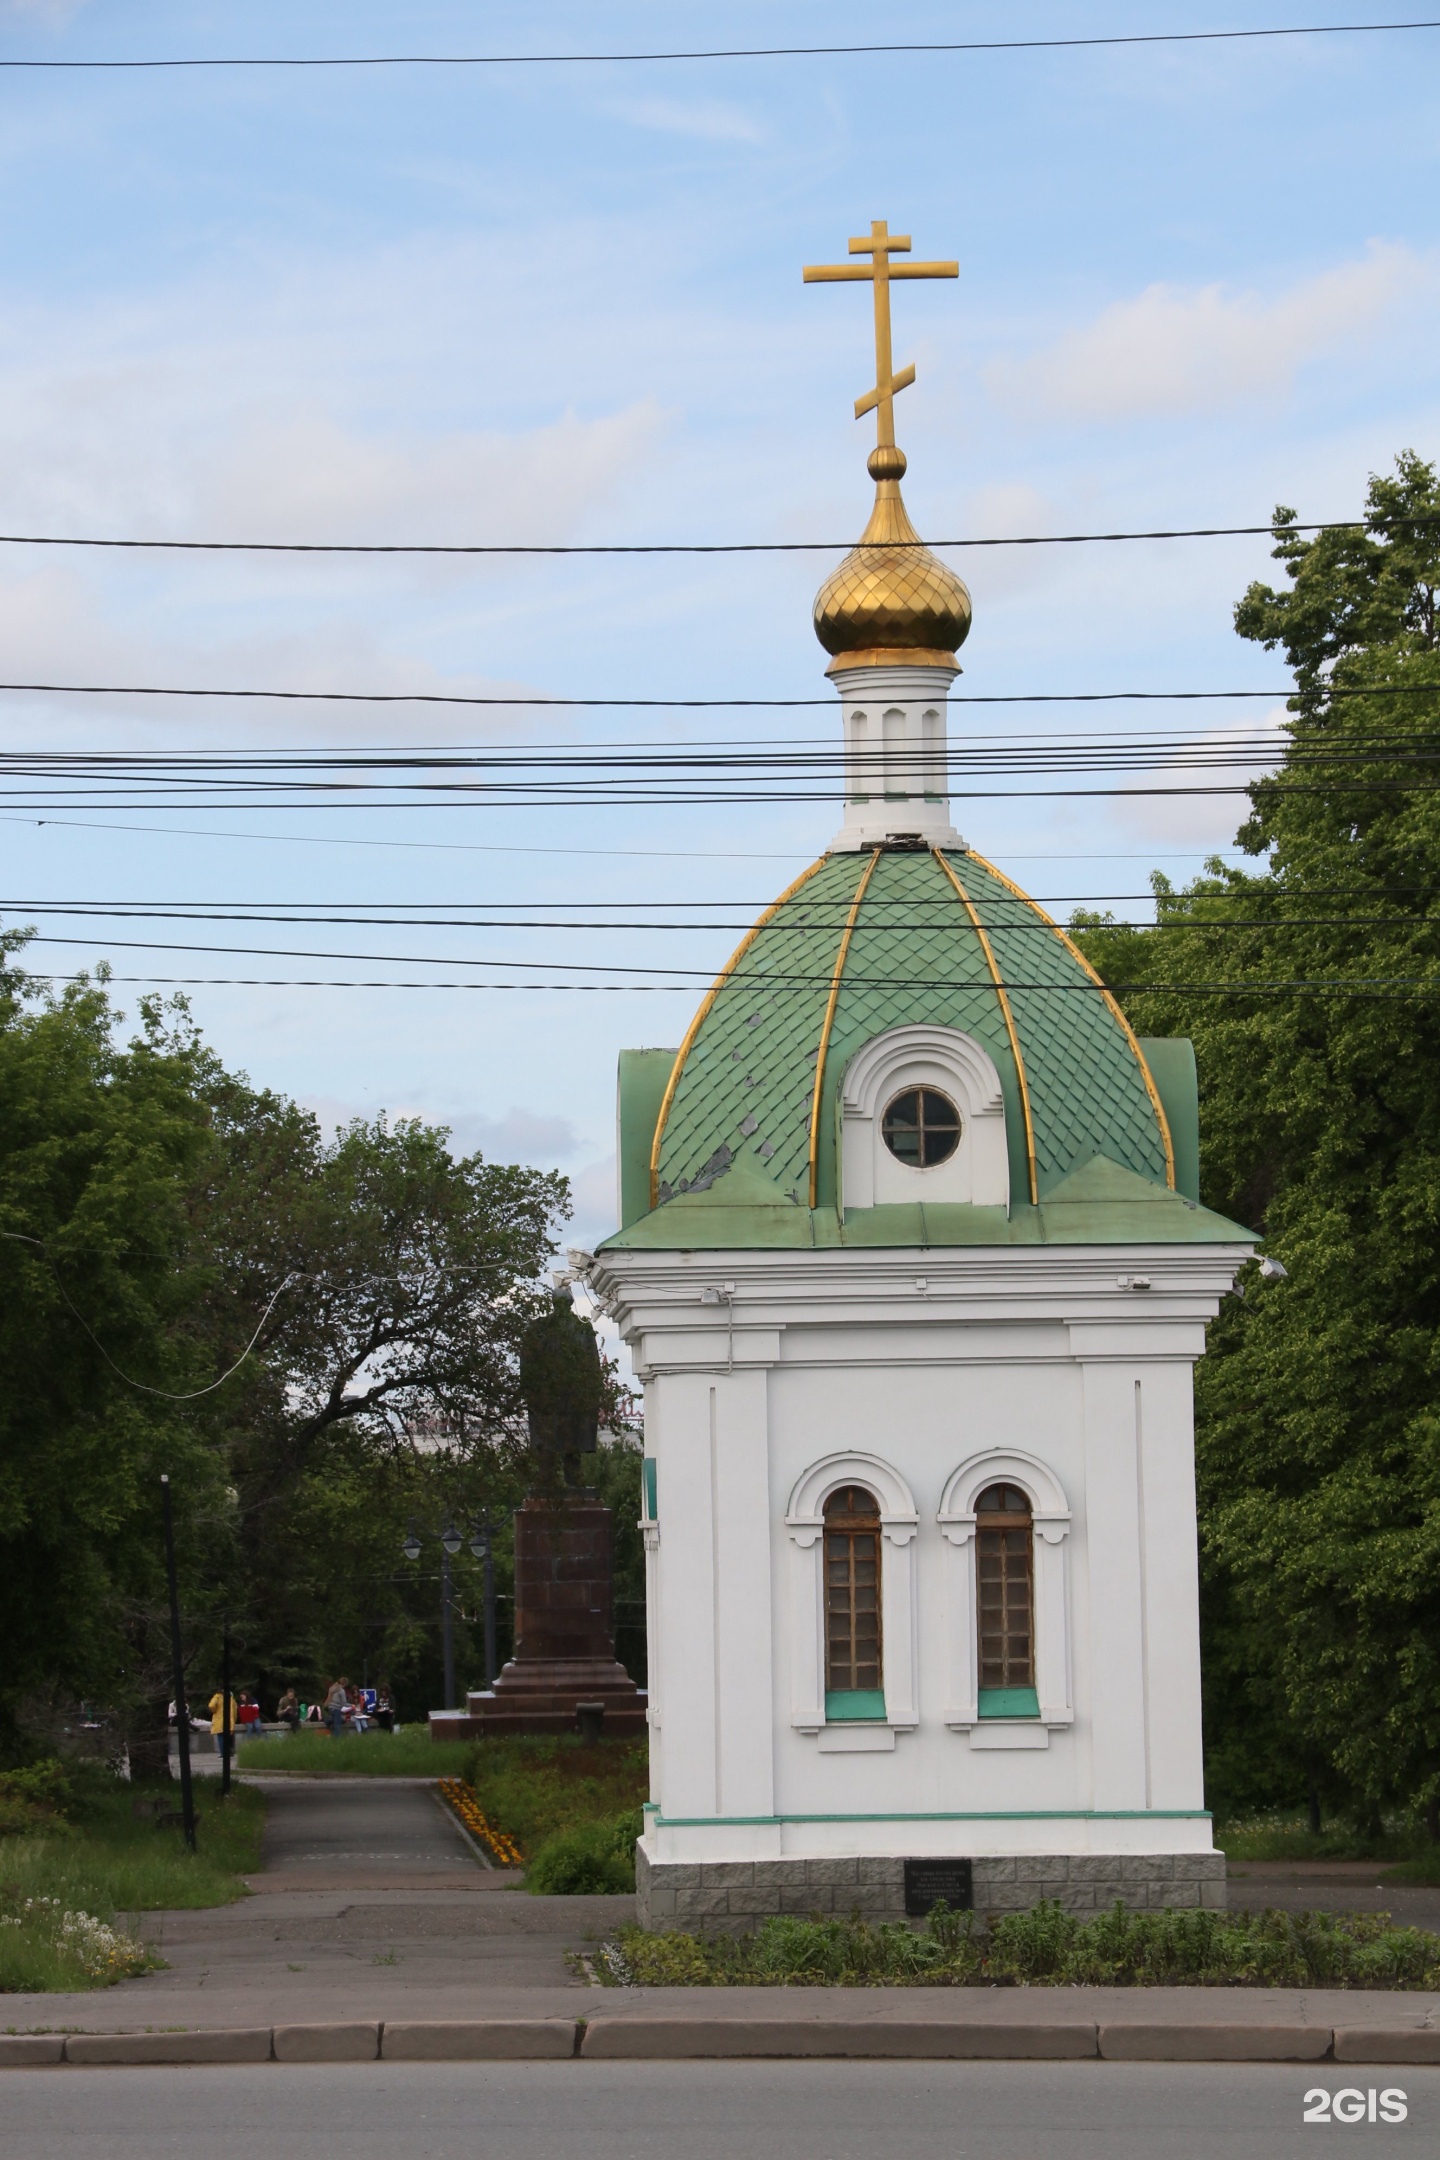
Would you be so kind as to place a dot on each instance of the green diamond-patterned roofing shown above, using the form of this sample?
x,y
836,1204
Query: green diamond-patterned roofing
x,y
746,1084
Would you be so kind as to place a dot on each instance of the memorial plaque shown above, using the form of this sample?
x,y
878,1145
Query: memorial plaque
x,y
928,1881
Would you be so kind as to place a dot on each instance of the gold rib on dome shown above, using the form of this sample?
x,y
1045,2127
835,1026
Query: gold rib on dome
x,y
829,1023
703,1014
1131,1038
1004,997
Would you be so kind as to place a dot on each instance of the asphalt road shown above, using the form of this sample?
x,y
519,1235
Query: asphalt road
x,y
701,2111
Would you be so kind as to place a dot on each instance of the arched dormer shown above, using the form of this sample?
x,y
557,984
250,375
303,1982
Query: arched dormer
x,y
897,1142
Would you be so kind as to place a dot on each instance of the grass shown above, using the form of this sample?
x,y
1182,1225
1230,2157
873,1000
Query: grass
x,y
106,1862
1401,1843
573,1810
408,1753
1049,1947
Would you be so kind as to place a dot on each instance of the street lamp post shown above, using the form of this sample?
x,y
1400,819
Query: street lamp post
x,y
451,1541
177,1654
482,1544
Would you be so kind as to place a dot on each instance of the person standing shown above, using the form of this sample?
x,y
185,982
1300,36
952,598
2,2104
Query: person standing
x,y
337,1702
218,1722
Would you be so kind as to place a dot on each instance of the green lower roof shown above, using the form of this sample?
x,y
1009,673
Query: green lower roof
x,y
1100,1204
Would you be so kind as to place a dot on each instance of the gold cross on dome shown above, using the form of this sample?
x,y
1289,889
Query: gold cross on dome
x,y
880,246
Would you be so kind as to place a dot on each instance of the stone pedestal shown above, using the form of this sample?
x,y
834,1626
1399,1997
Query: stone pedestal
x,y
564,1633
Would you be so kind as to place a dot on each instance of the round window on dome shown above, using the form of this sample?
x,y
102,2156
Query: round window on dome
x,y
921,1128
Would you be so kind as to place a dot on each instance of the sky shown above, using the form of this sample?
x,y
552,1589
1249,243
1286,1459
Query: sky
x,y
563,304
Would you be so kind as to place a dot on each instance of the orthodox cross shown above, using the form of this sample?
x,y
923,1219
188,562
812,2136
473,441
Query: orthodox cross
x,y
880,246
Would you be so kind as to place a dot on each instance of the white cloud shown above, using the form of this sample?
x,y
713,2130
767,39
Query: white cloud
x,y
1202,820
1178,348
706,120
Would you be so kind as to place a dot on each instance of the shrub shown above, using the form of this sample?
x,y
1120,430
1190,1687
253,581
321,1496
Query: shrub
x,y
588,1859
1049,1947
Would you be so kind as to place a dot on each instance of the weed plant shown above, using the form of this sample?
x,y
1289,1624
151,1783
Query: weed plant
x,y
1049,1947
71,1876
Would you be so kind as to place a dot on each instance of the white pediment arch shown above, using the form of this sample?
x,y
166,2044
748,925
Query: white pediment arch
x,y
957,1066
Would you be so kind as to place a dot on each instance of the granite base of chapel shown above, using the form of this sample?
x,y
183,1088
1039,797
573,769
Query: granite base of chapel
x,y
733,1897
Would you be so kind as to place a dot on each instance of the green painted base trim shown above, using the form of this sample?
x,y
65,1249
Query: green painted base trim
x,y
745,1822
1009,1702
844,1705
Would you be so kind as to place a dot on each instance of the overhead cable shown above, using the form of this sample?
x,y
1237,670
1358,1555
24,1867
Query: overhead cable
x,y
730,52
694,704
1397,987
1271,530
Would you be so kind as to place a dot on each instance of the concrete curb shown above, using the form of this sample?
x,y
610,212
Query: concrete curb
x,y
1387,2044
326,2043
481,2040
232,2044
642,2036
21,2050
1214,2043
914,2039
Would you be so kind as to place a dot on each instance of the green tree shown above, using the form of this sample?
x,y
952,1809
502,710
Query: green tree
x,y
315,1338
98,1149
1310,988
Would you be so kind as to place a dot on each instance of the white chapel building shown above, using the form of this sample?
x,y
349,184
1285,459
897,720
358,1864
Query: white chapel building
x,y
914,1273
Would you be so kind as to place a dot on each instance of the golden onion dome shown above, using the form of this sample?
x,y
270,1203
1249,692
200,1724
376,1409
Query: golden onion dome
x,y
891,601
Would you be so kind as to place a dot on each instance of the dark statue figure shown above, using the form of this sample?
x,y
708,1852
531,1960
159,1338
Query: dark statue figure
x,y
560,1380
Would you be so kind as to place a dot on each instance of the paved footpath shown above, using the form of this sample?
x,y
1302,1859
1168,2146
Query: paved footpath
x,y
375,1932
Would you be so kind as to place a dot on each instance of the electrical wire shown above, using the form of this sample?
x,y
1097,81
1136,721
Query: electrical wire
x,y
497,847
693,704
812,918
1400,986
165,1394
735,52
1383,523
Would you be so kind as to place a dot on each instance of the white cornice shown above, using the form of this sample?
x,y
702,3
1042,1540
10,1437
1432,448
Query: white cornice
x,y
1095,1301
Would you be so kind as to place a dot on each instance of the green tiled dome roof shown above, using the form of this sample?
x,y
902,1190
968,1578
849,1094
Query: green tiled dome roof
x,y
933,938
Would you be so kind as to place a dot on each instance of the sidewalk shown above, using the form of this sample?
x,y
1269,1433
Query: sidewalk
x,y
375,1931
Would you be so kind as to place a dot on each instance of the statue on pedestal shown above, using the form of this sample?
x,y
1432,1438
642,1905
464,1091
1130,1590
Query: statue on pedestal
x,y
564,1572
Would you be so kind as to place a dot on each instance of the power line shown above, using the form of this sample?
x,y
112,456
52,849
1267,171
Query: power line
x,y
1398,987
685,977
497,847
736,52
447,847
817,918
693,704
702,547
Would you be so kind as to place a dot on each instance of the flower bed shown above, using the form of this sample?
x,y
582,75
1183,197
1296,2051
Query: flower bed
x,y
501,1847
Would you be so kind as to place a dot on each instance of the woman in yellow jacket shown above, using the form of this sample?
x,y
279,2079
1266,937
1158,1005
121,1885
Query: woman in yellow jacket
x,y
217,1722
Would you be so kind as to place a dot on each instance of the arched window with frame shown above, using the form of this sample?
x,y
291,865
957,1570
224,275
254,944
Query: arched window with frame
x,y
1005,1577
854,1667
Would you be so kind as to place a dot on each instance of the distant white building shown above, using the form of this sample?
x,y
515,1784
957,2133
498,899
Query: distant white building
x,y
913,1271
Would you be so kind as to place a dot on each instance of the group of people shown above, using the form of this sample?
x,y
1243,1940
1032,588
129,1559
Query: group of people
x,y
352,1709
342,1708
245,1722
